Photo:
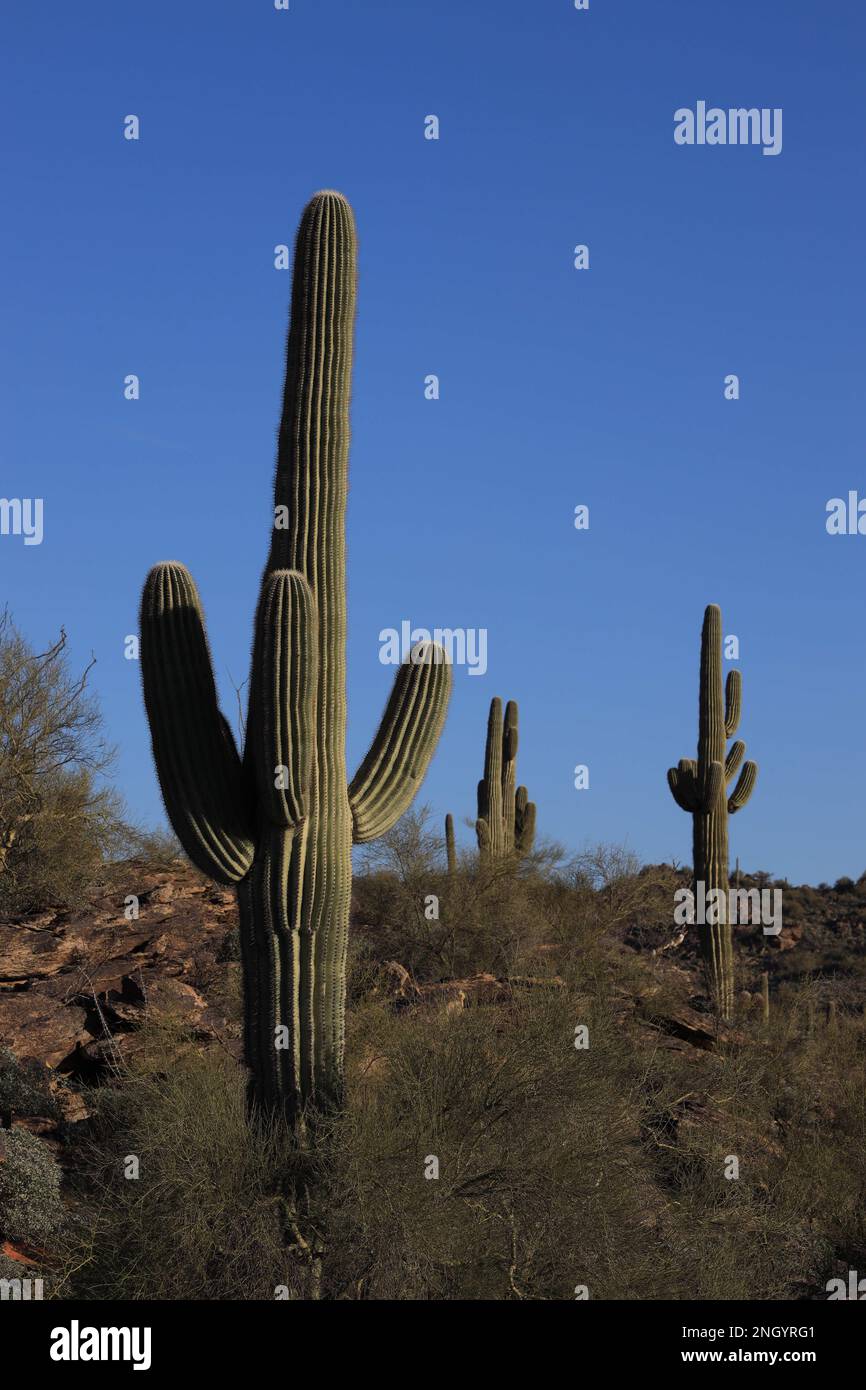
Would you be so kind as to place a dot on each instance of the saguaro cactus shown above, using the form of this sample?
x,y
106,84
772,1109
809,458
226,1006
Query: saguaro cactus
x,y
279,823
450,844
506,817
701,788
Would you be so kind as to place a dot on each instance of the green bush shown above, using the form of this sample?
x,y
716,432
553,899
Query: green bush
x,y
495,918
59,820
25,1088
539,1184
203,1218
30,1206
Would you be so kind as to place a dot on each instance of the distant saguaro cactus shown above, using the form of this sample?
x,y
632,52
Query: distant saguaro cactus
x,y
450,845
280,823
506,817
700,787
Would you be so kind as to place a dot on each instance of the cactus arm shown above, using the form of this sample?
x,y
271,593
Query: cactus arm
x,y
281,721
490,838
450,844
200,773
733,702
682,784
736,753
509,777
744,788
389,777
524,822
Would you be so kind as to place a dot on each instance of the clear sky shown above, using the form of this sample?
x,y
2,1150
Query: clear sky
x,y
559,387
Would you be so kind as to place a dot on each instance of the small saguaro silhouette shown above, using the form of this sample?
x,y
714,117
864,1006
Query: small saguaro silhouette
x,y
700,786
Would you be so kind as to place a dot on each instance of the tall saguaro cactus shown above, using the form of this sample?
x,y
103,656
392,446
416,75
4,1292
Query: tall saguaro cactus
x,y
279,823
506,817
701,788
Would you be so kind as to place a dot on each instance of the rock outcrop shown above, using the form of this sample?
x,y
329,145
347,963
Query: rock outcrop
x,y
75,986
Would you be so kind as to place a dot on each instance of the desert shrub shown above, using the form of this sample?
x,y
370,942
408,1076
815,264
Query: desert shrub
x,y
490,915
25,1088
606,891
557,1166
30,1206
489,919
58,820
202,1219
787,1102
500,918
539,1185
157,849
60,854
538,1166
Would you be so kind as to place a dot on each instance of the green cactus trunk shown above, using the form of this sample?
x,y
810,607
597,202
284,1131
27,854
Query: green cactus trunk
x,y
700,787
450,844
294,904
505,828
281,824
710,861
710,853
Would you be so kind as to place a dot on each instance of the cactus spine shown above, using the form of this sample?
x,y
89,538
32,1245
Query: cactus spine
x,y
700,787
279,823
506,817
450,845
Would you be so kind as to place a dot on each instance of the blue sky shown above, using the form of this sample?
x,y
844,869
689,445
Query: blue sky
x,y
558,386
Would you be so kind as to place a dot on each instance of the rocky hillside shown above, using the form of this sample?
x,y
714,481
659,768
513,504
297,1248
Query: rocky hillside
x,y
159,945
76,985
